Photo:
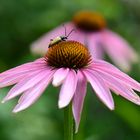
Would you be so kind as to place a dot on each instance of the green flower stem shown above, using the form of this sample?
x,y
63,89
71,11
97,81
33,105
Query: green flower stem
x,y
68,123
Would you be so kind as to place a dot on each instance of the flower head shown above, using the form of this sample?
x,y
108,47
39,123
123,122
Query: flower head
x,y
89,22
69,64
92,30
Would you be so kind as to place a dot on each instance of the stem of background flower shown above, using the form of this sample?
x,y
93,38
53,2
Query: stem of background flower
x,y
68,123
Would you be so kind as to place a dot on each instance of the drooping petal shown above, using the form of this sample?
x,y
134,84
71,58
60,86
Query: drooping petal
x,y
78,99
119,87
39,63
10,80
67,90
119,50
41,45
13,78
100,88
25,84
31,95
94,46
59,76
104,66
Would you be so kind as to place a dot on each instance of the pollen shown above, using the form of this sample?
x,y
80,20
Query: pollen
x,y
68,54
89,21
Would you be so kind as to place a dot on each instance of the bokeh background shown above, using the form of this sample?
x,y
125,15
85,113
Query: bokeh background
x,y
22,22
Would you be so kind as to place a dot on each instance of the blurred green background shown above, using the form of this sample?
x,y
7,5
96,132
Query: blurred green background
x,y
22,22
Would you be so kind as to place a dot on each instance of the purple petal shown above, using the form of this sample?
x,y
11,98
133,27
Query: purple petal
x,y
110,69
119,87
78,99
67,90
119,49
31,95
41,45
25,84
59,76
28,67
10,80
13,78
94,46
100,88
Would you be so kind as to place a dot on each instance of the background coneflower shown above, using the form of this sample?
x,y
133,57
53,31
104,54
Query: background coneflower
x,y
91,29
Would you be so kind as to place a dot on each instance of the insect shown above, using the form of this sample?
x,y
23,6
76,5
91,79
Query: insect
x,y
59,39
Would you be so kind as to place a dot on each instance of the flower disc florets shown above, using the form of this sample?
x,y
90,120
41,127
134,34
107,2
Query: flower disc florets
x,y
68,54
89,21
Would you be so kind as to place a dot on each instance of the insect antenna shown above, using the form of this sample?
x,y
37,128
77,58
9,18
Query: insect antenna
x,y
65,29
70,32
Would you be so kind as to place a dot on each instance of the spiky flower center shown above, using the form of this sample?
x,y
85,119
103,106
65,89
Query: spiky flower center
x,y
68,54
89,21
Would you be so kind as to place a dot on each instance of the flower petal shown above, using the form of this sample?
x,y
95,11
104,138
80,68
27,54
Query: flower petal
x,y
78,99
94,46
25,84
104,66
31,95
59,76
119,49
10,80
119,87
13,78
100,88
67,90
28,67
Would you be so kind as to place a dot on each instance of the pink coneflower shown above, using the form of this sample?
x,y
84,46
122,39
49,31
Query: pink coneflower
x,y
92,30
68,63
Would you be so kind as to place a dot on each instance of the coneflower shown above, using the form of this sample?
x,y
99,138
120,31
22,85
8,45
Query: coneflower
x,y
69,64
